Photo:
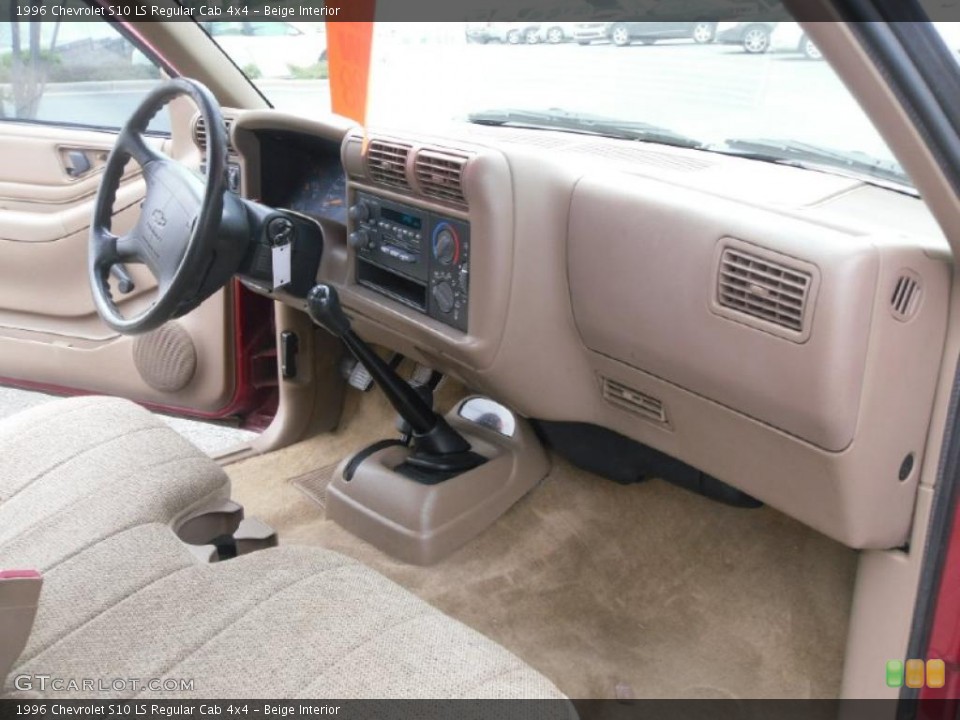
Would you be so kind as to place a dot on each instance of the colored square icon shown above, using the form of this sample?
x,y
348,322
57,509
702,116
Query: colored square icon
x,y
894,673
914,675
936,674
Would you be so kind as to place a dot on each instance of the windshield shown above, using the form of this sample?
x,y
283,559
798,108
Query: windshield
x,y
757,90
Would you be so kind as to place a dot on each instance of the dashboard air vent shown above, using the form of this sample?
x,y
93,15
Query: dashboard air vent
x,y
763,289
440,175
906,296
387,163
200,132
634,401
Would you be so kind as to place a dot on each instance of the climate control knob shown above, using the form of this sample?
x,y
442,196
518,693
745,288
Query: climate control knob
x,y
359,239
446,244
359,212
444,295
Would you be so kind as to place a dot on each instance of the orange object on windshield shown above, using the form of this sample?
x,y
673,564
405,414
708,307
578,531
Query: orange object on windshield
x,y
348,55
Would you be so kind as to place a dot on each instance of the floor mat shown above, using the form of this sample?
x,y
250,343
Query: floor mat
x,y
314,484
598,585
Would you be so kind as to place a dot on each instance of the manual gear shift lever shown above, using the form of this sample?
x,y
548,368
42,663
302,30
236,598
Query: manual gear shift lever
x,y
437,446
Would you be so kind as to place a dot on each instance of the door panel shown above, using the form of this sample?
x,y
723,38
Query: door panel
x,y
50,333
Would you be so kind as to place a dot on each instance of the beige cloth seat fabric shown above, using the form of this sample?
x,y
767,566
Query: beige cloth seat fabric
x,y
73,472
285,622
124,598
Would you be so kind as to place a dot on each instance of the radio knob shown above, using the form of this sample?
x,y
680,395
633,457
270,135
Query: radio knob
x,y
446,245
359,212
445,297
358,239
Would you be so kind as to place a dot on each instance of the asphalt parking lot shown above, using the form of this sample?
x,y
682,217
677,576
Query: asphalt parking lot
x,y
709,92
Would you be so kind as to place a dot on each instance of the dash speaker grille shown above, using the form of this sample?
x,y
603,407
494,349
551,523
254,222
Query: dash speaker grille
x,y
166,358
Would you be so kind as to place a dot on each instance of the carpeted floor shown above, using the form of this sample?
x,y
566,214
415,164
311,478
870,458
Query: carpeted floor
x,y
596,585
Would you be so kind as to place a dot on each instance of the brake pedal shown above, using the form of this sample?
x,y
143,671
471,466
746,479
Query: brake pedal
x,y
359,378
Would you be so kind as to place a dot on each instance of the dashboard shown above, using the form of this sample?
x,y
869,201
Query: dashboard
x,y
303,173
754,321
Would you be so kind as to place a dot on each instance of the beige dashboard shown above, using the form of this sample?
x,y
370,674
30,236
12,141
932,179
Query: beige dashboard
x,y
777,328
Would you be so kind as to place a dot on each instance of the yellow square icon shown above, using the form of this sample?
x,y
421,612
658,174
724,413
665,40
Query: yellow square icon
x,y
936,674
914,675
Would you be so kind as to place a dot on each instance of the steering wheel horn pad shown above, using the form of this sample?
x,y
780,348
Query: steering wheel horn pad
x,y
176,234
167,217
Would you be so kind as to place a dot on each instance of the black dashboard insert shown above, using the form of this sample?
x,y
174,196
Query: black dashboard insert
x,y
413,255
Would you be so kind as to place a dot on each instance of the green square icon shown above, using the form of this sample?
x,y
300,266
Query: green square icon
x,y
894,673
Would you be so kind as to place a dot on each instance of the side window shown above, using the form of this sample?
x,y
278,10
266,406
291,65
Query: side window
x,y
72,73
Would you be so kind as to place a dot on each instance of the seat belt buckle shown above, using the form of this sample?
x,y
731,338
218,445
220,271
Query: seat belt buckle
x,y
19,598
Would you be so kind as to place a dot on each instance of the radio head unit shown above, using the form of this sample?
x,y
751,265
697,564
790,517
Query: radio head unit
x,y
412,255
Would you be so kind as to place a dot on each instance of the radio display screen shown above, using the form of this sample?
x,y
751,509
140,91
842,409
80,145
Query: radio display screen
x,y
411,221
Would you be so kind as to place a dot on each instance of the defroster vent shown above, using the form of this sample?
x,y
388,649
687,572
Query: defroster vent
x,y
387,163
763,289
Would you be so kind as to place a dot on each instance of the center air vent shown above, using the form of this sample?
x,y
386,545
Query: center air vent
x,y
634,401
764,289
200,132
440,175
387,163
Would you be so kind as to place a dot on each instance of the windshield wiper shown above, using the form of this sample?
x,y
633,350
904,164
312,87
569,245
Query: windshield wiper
x,y
810,156
567,121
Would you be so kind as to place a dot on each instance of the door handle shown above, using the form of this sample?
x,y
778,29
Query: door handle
x,y
78,163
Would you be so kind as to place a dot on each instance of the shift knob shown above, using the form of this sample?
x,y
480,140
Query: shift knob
x,y
323,304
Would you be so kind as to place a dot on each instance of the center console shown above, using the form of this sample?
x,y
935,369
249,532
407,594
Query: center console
x,y
445,479
414,256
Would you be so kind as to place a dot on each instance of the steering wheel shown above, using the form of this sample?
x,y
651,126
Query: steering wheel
x,y
176,236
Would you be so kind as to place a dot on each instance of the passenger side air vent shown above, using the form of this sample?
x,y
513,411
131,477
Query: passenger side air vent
x,y
906,296
770,291
634,401
200,132
387,163
440,175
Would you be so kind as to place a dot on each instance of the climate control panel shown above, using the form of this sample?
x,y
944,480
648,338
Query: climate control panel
x,y
413,255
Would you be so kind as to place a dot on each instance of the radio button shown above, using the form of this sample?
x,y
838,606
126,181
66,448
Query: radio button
x,y
359,239
360,211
